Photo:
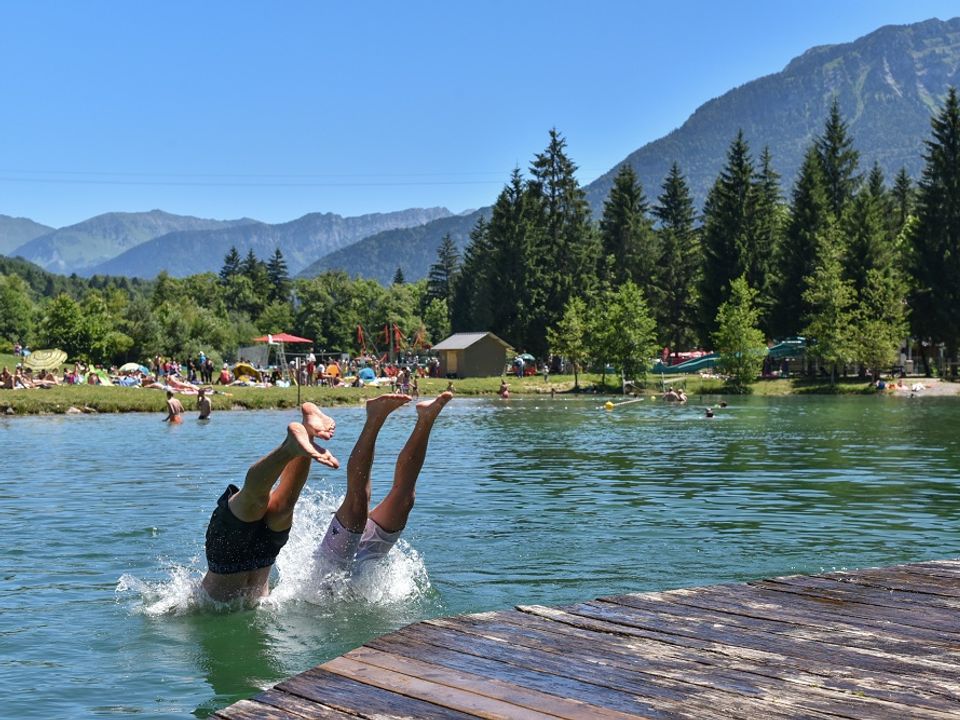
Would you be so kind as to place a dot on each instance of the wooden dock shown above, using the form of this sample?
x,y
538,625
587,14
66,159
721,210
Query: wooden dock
x,y
875,643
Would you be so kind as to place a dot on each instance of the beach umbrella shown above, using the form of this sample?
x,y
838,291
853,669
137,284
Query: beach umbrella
x,y
132,367
526,357
282,338
45,359
245,370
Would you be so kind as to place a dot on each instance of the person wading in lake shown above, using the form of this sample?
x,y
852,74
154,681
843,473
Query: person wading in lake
x,y
174,409
249,526
204,405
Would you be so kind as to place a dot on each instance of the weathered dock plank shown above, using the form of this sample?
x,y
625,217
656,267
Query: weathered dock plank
x,y
865,644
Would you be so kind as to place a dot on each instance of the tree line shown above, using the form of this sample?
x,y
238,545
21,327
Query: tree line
x,y
850,261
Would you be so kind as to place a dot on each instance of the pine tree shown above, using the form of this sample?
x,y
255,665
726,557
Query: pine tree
x,y
398,278
830,299
562,260
767,221
255,270
726,232
279,278
903,199
443,273
868,232
880,319
838,160
810,219
231,265
470,310
678,267
935,254
627,240
509,294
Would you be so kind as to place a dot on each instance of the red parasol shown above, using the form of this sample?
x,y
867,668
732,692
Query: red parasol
x,y
282,338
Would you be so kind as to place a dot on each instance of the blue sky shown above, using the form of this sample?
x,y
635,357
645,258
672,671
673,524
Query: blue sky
x,y
274,110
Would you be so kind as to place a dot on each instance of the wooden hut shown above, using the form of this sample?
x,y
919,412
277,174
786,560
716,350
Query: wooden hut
x,y
479,354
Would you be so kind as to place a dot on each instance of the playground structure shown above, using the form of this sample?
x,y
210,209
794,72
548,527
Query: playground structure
x,y
394,339
784,350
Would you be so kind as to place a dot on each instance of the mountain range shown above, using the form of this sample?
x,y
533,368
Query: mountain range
x,y
14,232
888,83
301,241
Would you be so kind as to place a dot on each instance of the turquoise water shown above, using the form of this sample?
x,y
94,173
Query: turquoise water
x,y
520,501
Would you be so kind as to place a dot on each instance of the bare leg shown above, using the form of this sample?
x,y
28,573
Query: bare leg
x,y
253,500
392,512
352,512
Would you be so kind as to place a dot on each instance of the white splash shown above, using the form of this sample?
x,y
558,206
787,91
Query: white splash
x,y
396,579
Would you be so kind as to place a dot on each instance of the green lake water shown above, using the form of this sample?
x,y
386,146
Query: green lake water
x,y
520,501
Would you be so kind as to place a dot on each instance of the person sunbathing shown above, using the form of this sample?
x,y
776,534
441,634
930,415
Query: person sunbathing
x,y
6,379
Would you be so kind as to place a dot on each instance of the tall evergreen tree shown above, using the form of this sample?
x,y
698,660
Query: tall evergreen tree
x,y
443,273
838,160
903,199
726,232
509,295
935,257
564,247
470,311
767,220
868,232
830,299
810,219
674,297
398,278
627,240
231,265
279,277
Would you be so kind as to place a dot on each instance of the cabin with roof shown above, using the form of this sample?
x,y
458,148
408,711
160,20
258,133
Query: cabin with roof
x,y
479,354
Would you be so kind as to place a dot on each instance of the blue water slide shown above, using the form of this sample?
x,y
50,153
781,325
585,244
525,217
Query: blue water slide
x,y
704,362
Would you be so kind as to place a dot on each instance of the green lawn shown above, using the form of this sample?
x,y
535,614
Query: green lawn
x,y
118,399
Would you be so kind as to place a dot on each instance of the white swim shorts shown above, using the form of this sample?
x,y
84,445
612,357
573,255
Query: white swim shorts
x,y
344,547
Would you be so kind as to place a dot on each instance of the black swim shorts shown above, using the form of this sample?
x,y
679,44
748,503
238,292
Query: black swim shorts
x,y
236,546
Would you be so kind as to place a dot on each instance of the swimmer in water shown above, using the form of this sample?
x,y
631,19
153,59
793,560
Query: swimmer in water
x,y
249,526
357,534
204,405
174,409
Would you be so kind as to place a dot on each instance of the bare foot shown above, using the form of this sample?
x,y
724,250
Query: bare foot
x,y
429,409
298,442
379,407
316,423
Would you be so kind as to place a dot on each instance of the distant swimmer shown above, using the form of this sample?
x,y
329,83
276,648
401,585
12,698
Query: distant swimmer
x,y
709,412
204,405
672,395
504,390
174,409
723,403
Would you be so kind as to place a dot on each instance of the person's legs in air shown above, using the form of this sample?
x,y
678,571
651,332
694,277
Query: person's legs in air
x,y
343,536
389,517
249,525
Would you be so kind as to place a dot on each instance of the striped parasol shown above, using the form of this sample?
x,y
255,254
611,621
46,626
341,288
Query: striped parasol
x,y
45,359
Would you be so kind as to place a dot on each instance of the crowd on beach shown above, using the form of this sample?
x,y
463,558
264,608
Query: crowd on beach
x,y
191,375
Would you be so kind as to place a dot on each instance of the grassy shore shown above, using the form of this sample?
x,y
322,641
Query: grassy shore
x,y
101,399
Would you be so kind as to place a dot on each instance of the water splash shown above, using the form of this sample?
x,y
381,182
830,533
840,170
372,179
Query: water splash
x,y
399,578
